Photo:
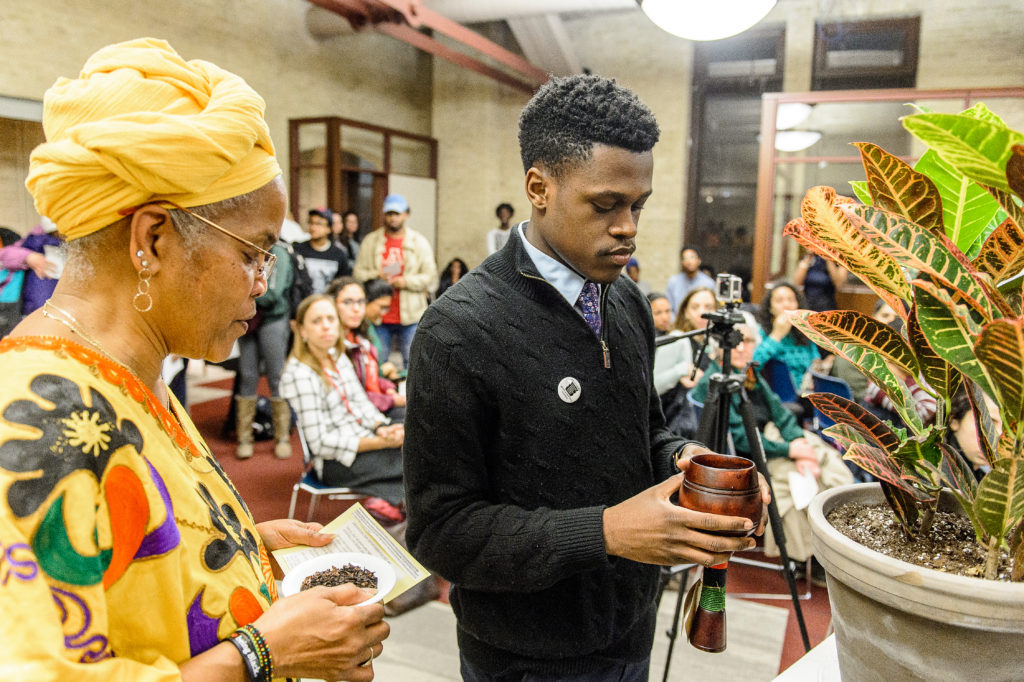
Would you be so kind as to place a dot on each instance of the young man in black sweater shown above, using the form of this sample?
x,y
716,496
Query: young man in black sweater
x,y
537,464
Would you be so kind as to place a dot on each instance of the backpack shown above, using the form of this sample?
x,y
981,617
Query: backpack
x,y
302,282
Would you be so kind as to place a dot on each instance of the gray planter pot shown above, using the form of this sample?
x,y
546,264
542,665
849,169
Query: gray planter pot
x,y
897,621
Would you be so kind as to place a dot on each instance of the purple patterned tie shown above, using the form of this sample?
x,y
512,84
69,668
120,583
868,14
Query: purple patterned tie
x,y
589,304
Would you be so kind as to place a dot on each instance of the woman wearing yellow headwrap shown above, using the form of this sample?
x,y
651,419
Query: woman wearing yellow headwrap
x,y
125,552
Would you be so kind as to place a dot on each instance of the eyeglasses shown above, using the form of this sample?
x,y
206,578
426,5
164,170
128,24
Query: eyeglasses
x,y
350,302
264,266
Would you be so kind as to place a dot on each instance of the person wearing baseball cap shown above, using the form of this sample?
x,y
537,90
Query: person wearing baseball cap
x,y
404,258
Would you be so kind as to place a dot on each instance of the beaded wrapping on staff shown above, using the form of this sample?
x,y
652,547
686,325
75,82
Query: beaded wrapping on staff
x,y
712,593
255,653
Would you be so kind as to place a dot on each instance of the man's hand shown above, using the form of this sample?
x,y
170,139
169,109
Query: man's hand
x,y
398,282
694,449
649,528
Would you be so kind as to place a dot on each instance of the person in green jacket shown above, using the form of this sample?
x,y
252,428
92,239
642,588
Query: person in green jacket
x,y
266,344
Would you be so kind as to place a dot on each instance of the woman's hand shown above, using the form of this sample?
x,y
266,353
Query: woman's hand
x,y
393,435
804,457
318,634
398,398
800,448
281,533
781,325
389,370
689,383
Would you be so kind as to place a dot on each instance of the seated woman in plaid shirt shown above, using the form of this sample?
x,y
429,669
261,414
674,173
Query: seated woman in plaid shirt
x,y
352,444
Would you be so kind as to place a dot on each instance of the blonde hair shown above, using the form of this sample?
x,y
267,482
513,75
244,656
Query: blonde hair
x,y
300,348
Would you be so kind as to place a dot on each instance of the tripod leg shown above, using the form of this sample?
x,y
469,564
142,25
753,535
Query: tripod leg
x,y
673,631
757,454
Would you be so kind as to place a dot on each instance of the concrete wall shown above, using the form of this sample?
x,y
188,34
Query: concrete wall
x,y
367,77
475,120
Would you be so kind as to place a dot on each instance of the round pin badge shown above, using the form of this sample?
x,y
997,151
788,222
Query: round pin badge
x,y
569,390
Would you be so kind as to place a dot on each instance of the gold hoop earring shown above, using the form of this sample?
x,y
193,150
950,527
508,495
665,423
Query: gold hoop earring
x,y
142,294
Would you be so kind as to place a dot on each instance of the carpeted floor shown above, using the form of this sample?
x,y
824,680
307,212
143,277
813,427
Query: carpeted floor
x,y
265,483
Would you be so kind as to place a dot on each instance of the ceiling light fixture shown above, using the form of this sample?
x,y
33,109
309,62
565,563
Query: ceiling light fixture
x,y
795,140
791,114
704,19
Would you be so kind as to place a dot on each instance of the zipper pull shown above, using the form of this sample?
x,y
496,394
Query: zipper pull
x,y
606,354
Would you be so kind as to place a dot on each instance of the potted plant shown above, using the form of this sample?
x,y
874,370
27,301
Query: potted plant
x,y
943,243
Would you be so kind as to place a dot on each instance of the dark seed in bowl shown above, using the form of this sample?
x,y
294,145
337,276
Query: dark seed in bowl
x,y
333,576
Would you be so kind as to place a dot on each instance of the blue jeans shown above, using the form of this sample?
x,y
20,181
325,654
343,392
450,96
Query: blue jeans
x,y
617,672
404,333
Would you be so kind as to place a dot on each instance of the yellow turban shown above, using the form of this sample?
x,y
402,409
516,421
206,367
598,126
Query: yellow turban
x,y
142,124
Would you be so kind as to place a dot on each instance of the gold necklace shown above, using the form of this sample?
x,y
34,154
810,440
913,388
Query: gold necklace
x,y
69,321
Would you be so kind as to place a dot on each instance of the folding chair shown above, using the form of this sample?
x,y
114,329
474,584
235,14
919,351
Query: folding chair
x,y
824,383
310,482
776,373
698,407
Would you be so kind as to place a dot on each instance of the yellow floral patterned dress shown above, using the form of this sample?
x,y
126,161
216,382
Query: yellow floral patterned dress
x,y
124,548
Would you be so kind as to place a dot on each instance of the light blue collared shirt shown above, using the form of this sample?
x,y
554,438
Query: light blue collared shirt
x,y
567,281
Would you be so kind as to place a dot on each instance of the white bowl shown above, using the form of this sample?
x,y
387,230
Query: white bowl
x,y
385,573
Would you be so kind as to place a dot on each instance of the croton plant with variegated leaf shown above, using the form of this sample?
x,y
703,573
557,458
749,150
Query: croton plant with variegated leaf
x,y
941,242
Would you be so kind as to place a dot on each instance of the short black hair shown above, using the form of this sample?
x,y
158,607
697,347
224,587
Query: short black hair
x,y
689,247
654,296
324,213
9,236
511,211
377,288
565,119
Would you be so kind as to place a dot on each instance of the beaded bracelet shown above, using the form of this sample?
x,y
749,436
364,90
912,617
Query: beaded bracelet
x,y
255,653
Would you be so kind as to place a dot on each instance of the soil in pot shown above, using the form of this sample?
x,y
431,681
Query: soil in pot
x,y
950,545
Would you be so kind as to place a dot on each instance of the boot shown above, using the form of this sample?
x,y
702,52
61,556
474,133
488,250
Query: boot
x,y
245,410
282,427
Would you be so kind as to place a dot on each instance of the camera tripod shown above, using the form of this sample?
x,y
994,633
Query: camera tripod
x,y
714,432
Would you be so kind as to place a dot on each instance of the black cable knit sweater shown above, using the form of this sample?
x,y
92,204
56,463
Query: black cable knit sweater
x,y
507,481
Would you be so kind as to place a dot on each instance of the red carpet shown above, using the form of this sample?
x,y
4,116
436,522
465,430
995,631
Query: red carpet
x,y
265,484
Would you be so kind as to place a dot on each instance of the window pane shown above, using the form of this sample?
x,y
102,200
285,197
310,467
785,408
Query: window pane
x,y
409,156
312,191
312,143
840,124
726,192
362,148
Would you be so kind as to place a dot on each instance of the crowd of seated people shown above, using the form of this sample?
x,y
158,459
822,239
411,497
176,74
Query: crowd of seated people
x,y
351,442
675,372
351,300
